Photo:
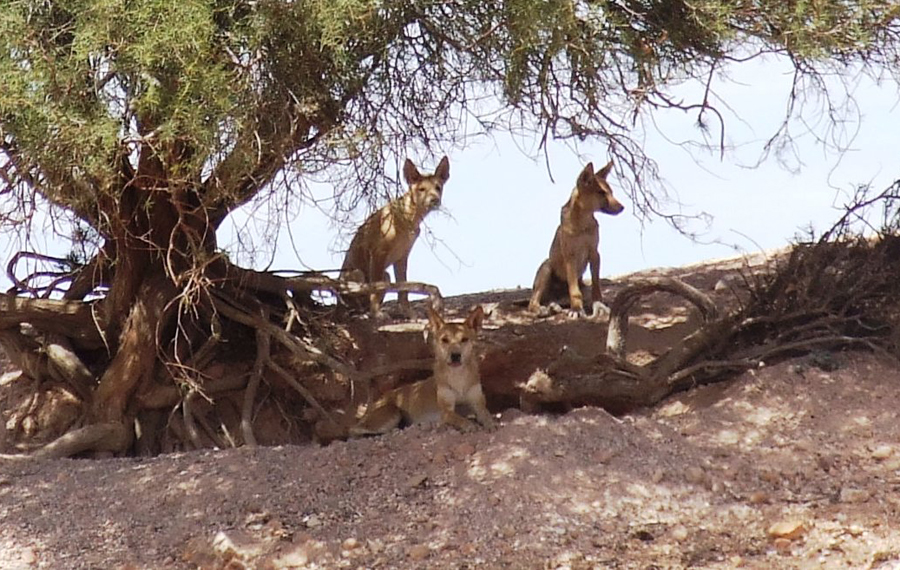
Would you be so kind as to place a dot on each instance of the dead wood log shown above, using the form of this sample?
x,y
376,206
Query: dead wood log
x,y
610,380
75,320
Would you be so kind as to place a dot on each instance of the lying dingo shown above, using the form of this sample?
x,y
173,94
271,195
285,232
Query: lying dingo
x,y
388,235
576,243
455,381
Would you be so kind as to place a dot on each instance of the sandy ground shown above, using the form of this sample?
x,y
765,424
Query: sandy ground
x,y
791,465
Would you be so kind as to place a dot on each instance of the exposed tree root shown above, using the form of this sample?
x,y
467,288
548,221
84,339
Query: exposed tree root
x,y
309,284
162,362
262,357
106,437
625,300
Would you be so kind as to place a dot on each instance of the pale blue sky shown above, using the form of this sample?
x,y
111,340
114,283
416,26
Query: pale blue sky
x,y
501,208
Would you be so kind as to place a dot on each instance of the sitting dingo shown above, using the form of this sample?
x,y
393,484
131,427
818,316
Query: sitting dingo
x,y
388,235
455,381
575,243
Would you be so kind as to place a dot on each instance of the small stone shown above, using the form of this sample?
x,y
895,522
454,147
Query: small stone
x,y
350,544
237,544
770,476
463,450
418,552
854,495
604,456
782,545
882,452
789,529
313,521
674,409
736,561
511,414
758,497
417,480
825,462
27,556
694,475
294,558
855,530
680,533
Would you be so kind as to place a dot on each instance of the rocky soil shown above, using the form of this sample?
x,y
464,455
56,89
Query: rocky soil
x,y
795,464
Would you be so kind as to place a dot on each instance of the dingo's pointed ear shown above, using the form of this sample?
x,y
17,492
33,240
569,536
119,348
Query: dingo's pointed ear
x,y
434,319
475,318
603,172
586,178
443,170
410,172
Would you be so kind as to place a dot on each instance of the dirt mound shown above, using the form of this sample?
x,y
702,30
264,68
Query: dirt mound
x,y
700,482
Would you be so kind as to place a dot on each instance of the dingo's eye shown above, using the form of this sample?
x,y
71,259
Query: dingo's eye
x,y
445,340
464,340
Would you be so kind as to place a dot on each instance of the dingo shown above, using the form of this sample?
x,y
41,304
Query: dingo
x,y
455,381
576,243
388,235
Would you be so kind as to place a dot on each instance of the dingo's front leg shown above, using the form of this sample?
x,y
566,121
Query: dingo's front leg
x,y
447,403
576,298
475,396
402,296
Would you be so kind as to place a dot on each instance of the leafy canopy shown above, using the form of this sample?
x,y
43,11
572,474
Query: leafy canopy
x,y
217,97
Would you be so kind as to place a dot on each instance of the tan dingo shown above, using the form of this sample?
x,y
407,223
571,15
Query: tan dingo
x,y
576,243
455,381
388,235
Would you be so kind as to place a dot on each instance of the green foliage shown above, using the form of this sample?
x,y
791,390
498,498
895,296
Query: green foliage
x,y
225,94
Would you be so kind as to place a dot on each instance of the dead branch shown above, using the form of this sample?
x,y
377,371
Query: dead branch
x,y
312,283
305,285
300,348
73,319
262,356
25,284
167,396
65,365
618,319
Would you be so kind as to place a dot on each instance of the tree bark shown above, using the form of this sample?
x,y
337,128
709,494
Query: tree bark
x,y
135,360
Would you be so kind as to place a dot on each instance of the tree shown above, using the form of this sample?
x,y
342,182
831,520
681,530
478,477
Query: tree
x,y
141,125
